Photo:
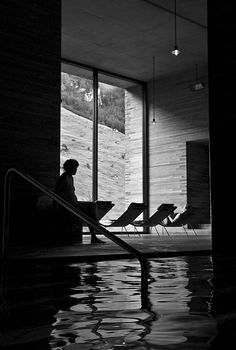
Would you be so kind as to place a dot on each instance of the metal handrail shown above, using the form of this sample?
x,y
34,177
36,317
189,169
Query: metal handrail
x,y
6,215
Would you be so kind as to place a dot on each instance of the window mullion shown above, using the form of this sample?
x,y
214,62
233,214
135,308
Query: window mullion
x,y
95,136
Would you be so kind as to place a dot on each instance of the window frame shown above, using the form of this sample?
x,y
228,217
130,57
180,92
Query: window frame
x,y
145,131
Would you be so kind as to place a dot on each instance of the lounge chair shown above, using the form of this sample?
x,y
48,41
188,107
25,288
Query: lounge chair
x,y
102,208
125,219
162,212
179,220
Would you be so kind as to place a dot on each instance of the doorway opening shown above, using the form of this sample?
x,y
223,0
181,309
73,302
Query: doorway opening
x,y
198,181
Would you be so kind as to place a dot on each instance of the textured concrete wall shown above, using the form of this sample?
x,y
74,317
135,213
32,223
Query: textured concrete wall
x,y
30,93
181,116
134,146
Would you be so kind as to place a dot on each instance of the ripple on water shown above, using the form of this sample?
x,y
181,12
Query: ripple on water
x,y
98,306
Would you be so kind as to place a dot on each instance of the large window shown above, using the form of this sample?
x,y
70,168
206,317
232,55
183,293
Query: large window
x,y
77,114
120,116
102,127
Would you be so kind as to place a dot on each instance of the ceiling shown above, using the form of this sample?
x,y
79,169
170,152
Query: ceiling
x,y
122,36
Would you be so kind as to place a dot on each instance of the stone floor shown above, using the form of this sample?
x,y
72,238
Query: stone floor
x,y
150,245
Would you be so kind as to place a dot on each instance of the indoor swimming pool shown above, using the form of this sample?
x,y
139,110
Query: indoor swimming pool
x,y
98,306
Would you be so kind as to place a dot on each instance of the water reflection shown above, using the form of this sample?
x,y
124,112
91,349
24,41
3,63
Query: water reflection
x,y
180,295
108,305
98,306
107,309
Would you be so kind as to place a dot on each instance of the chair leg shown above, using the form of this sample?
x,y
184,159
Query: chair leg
x,y
138,232
156,231
185,230
193,229
166,230
126,231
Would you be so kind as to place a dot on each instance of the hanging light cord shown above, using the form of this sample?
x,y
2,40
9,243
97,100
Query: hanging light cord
x,y
176,50
196,66
153,89
175,26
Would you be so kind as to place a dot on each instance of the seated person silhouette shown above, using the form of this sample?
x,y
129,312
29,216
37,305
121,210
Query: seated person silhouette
x,y
65,189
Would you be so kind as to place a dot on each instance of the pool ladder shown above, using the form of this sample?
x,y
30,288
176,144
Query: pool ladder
x,y
144,264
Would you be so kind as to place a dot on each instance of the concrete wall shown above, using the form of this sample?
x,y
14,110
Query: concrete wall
x,y
181,116
30,95
134,151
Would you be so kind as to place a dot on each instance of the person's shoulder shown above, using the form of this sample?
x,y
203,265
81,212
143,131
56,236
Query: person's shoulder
x,y
61,178
64,176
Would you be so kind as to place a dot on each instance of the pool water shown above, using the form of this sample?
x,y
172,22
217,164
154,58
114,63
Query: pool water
x,y
98,306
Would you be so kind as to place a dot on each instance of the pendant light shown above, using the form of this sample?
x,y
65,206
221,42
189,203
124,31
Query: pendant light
x,y
153,91
198,85
176,51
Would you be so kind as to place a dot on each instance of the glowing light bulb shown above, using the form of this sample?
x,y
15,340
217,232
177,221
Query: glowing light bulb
x,y
176,51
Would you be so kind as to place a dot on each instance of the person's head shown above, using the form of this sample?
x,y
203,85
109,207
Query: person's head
x,y
70,166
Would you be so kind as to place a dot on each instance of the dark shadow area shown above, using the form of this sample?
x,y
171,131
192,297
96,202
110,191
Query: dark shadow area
x,y
198,181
